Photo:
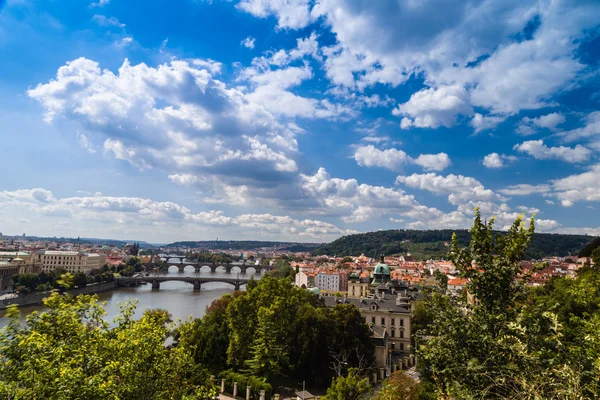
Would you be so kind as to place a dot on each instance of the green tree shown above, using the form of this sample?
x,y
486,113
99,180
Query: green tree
x,y
71,352
267,357
350,387
596,258
64,282
398,386
80,279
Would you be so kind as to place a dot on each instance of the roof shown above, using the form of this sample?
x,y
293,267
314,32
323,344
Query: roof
x,y
386,304
381,269
60,253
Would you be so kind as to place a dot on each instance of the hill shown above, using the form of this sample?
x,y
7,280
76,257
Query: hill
x,y
246,245
432,244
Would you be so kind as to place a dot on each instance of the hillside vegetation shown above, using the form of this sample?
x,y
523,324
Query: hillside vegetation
x,y
245,245
431,244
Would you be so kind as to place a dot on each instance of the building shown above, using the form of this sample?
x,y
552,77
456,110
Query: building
x,y
358,287
13,263
71,261
389,318
305,278
331,281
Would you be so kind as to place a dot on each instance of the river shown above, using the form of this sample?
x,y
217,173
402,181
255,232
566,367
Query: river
x,y
178,298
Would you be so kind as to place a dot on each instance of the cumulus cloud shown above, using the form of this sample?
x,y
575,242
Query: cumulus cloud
x,y
248,42
293,14
482,123
432,108
538,150
175,117
578,187
590,130
459,188
495,160
529,126
523,53
353,201
394,159
141,213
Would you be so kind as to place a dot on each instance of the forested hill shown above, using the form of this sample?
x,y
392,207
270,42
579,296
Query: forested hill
x,y
432,244
246,245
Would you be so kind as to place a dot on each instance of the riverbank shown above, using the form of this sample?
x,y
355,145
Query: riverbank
x,y
33,299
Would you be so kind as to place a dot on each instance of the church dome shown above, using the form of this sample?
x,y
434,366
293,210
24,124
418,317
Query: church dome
x,y
381,269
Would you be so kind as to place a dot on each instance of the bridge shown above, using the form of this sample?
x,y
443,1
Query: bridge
x,y
243,266
196,281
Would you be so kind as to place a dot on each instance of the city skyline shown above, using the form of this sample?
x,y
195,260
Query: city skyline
x,y
296,121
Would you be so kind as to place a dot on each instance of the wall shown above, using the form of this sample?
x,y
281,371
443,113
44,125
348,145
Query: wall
x,y
36,298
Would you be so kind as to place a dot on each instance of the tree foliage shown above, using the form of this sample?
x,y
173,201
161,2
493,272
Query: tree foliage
x,y
350,387
71,352
275,330
506,340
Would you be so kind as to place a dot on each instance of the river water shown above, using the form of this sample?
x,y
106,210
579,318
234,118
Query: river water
x,y
179,298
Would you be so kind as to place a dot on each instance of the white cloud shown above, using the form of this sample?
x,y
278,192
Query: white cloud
x,y
495,160
353,201
528,126
459,188
538,150
102,20
590,131
123,42
479,46
394,159
125,213
525,189
433,162
293,14
482,123
184,179
248,42
432,108
85,143
100,3
578,187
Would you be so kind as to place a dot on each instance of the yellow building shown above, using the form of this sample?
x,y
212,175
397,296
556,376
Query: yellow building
x,y
71,261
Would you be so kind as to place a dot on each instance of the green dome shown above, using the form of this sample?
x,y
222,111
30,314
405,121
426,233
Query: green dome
x,y
354,275
315,290
381,269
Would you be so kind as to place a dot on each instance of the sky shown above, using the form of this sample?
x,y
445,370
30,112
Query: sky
x,y
296,120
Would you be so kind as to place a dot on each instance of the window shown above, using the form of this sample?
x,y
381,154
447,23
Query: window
x,y
373,320
393,346
394,321
401,346
393,333
382,321
401,334
401,322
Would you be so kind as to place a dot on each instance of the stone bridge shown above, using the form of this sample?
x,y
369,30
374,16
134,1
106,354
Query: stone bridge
x,y
196,281
243,267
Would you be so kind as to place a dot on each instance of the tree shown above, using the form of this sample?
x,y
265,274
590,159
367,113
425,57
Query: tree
x,y
71,352
442,280
398,386
80,280
267,356
350,387
64,282
596,258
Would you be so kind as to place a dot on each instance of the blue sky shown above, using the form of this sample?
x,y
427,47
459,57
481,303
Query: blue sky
x,y
296,120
